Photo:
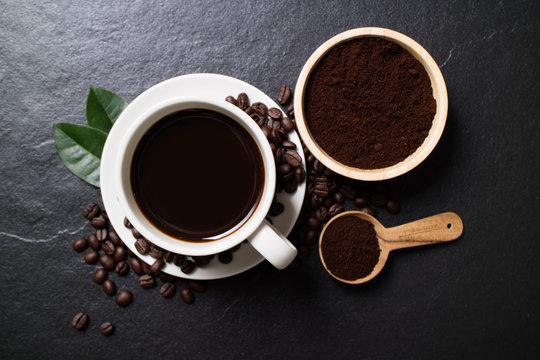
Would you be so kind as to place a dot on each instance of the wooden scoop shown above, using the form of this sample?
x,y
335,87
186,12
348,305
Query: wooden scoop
x,y
431,230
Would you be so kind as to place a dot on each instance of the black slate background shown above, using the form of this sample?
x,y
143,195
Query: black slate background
x,y
477,297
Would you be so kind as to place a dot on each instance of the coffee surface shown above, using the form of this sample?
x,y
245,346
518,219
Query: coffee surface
x,y
369,103
197,174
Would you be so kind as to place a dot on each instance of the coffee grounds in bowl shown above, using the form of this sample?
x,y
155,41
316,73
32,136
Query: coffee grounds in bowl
x,y
369,103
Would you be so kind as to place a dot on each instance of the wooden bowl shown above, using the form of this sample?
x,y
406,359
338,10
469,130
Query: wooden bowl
x,y
439,93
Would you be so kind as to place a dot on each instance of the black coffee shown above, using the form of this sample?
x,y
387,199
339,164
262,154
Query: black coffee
x,y
197,174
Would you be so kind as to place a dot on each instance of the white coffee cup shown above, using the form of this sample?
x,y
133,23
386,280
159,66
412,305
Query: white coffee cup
x,y
260,233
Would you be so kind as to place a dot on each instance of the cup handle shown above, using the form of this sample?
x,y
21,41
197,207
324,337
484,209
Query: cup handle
x,y
273,246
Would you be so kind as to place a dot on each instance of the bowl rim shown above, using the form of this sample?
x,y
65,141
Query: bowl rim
x,y
439,93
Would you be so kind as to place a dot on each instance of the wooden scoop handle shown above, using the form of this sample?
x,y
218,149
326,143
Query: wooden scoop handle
x,y
434,229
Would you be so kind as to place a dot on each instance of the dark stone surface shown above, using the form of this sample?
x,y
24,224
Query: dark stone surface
x,y
475,298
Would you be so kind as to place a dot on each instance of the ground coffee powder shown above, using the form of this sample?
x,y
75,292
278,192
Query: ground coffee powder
x,y
369,103
350,248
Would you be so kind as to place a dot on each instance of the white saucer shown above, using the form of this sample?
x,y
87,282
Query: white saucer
x,y
204,85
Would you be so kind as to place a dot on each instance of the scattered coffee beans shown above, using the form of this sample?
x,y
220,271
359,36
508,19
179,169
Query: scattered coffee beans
x,y
106,328
146,281
109,287
100,276
167,289
124,298
91,257
80,244
187,295
79,321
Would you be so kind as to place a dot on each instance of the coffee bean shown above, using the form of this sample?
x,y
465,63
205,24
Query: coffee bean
x,y
259,109
288,144
315,201
79,321
393,206
276,136
100,276
287,124
293,158
91,257
119,253
284,169
187,295
242,101
314,223
321,213
80,244
197,286
276,209
379,200
266,131
311,237
202,261
142,246
106,328
291,186
318,166
146,281
168,256
91,211
136,234
127,223
321,189
108,247
93,242
157,266
179,259
101,234
121,268
130,253
155,252
145,267
232,100
275,113
290,110
339,198
328,202
114,238
361,201
109,287
369,210
98,222
103,214
299,175
311,159
335,209
225,257
107,262
284,94
348,191
136,266
167,289
124,298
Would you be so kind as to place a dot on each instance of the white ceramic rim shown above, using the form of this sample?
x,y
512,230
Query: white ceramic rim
x,y
127,148
439,93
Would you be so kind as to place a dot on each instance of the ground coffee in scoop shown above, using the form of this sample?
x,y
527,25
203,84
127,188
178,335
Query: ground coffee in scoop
x,y
369,103
350,248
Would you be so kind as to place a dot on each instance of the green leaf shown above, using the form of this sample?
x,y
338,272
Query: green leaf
x,y
103,108
80,149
